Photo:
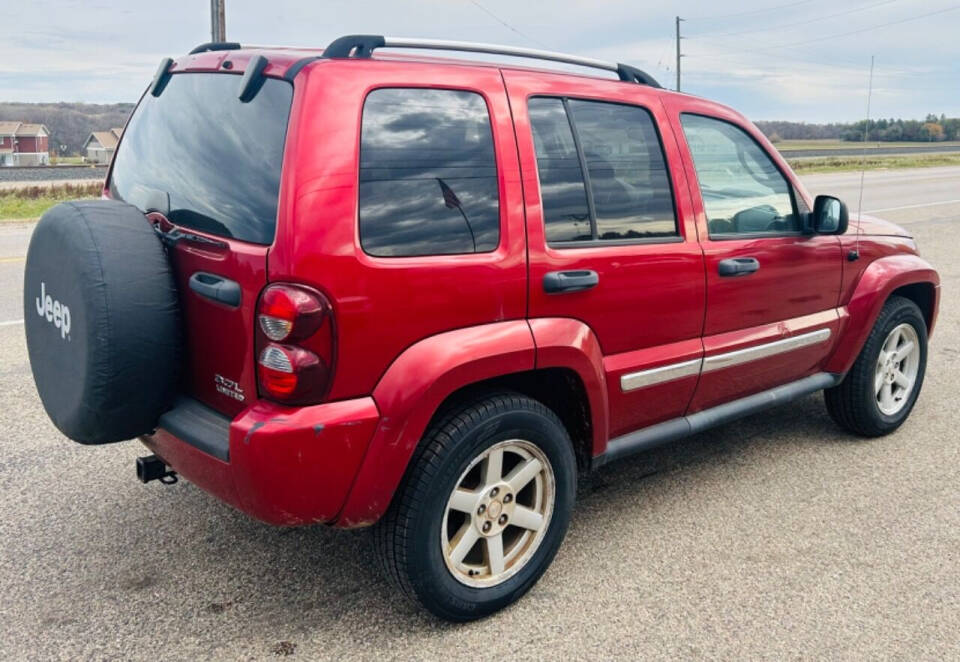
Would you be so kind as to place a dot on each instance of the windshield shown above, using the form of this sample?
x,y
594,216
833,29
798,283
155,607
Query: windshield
x,y
213,161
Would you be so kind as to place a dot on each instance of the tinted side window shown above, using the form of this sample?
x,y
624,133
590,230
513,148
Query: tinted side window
x,y
743,191
632,197
602,175
563,194
428,174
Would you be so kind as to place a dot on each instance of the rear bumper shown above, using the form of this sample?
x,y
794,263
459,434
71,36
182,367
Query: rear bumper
x,y
282,465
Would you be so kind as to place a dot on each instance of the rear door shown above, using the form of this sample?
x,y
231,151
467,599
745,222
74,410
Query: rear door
x,y
611,235
208,168
772,290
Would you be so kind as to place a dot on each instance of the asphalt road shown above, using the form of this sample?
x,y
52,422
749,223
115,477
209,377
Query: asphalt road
x,y
776,537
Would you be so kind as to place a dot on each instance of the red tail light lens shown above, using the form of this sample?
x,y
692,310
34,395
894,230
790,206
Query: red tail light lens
x,y
290,374
290,312
295,344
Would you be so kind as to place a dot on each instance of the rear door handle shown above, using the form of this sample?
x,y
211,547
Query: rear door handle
x,y
219,289
557,282
738,266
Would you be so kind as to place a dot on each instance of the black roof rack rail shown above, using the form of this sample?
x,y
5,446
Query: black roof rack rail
x,y
216,46
363,45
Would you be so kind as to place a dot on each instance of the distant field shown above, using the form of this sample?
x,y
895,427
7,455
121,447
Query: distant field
x,y
793,145
66,160
885,162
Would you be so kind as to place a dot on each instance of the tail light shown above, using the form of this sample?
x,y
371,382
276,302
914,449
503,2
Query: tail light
x,y
295,344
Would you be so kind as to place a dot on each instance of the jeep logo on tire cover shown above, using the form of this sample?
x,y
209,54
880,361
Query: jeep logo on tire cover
x,y
55,312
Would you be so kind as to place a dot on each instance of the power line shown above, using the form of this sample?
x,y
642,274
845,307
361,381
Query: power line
x,y
784,26
752,11
505,24
852,32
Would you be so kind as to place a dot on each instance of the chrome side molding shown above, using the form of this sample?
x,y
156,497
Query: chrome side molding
x,y
720,361
668,373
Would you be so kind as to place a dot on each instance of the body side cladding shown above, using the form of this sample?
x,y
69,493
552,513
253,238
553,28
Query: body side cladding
x,y
410,392
878,281
684,426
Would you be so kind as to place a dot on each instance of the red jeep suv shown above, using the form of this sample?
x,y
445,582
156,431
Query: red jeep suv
x,y
364,288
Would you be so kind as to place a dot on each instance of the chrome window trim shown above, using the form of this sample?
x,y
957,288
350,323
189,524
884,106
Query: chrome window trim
x,y
737,357
667,373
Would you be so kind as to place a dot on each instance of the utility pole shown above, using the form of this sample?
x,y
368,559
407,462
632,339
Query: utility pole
x,y
679,54
218,23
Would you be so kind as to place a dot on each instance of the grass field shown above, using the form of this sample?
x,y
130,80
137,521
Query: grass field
x,y
66,160
30,203
891,162
791,145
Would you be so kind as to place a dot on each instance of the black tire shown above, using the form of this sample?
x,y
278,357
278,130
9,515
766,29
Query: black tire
x,y
407,538
853,403
101,318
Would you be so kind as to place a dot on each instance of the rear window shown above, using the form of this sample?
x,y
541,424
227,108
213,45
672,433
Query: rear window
x,y
215,160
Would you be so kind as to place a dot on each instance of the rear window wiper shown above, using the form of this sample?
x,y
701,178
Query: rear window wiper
x,y
174,234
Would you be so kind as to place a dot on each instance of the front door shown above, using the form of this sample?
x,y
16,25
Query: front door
x,y
772,289
611,236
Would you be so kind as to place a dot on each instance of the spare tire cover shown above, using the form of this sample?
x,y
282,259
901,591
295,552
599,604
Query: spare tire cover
x,y
102,320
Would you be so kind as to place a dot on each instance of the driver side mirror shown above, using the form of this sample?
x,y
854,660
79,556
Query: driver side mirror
x,y
830,215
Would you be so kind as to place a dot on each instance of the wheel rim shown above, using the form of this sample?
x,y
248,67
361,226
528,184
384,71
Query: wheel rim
x,y
897,368
498,513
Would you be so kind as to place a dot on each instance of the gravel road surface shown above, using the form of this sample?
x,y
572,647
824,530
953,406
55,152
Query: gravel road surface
x,y
776,537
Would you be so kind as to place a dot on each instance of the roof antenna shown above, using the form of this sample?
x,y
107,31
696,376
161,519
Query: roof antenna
x,y
855,253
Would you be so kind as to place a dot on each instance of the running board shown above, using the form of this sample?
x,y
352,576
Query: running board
x,y
677,428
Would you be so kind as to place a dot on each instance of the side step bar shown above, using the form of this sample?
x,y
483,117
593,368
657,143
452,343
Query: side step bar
x,y
677,428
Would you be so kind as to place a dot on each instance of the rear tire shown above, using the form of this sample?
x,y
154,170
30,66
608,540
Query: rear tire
x,y
448,540
879,392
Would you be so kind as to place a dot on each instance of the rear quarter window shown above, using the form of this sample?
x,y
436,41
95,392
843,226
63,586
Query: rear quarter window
x,y
428,174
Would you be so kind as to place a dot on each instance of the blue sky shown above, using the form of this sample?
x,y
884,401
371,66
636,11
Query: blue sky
x,y
772,59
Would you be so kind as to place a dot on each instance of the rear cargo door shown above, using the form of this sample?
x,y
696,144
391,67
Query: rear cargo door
x,y
207,169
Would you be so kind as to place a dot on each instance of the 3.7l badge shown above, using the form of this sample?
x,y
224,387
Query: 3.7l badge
x,y
228,387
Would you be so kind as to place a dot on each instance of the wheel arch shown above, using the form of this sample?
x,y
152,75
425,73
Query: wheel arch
x,y
446,370
909,276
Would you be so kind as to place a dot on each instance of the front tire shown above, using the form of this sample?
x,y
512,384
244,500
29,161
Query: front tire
x,y
879,392
483,508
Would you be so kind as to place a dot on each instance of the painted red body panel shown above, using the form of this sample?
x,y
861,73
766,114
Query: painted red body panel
x,y
288,465
219,339
409,298
880,278
412,331
635,409
625,318
719,386
412,389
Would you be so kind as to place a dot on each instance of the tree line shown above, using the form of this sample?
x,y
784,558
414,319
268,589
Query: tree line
x,y
931,129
